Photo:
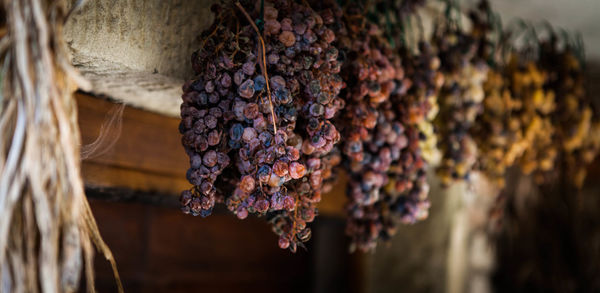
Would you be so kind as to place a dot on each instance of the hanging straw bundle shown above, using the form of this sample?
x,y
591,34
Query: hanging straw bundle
x,y
46,226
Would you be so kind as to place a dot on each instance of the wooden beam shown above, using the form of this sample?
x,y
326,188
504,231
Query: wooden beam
x,y
148,156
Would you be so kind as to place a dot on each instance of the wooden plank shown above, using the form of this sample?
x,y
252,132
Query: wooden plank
x,y
148,155
159,249
99,175
148,141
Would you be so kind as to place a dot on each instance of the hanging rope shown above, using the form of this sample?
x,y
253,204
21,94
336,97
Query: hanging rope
x,y
47,231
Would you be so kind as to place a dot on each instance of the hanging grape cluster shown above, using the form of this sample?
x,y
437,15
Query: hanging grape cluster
x,y
256,120
381,143
514,128
577,128
404,198
374,136
416,103
460,100
497,131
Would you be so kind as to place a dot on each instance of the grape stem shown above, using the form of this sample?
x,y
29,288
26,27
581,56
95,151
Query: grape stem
x,y
213,32
237,39
263,64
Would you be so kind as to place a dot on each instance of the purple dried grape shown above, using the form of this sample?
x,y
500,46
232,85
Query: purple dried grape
x,y
248,68
259,83
210,158
246,89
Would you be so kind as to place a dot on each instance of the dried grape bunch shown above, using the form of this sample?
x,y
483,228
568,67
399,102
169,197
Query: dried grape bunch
x,y
460,102
373,135
535,150
383,148
407,190
371,76
376,132
515,122
404,197
577,128
418,94
515,128
206,102
277,94
416,103
498,132
315,68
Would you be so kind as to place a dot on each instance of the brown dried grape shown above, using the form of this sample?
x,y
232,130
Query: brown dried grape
x,y
284,242
249,134
238,77
287,38
200,126
213,138
248,69
247,184
210,121
297,170
293,154
216,112
241,213
289,203
261,206
251,111
280,168
270,12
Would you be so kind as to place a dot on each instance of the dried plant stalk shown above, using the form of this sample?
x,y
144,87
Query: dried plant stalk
x,y
46,225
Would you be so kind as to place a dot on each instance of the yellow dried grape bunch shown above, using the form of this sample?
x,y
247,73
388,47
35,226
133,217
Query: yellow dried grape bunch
x,y
515,126
498,130
535,151
577,131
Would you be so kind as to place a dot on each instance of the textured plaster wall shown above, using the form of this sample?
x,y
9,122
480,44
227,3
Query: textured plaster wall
x,y
448,252
415,260
138,51
572,15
